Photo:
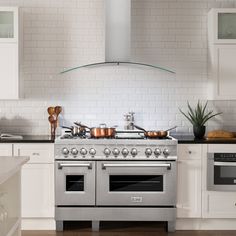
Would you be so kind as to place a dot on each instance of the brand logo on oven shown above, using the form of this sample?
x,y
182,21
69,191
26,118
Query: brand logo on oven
x,y
136,199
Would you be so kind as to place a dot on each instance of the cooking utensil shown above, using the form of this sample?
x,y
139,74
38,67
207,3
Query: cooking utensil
x,y
51,110
57,110
75,130
154,133
53,122
100,132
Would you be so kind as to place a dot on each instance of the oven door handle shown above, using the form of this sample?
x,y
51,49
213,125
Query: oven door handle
x,y
61,165
167,165
221,163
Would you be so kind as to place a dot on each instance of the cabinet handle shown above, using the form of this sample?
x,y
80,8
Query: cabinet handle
x,y
235,204
189,152
35,154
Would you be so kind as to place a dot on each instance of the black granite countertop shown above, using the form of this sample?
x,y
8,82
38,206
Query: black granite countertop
x,y
185,139
30,139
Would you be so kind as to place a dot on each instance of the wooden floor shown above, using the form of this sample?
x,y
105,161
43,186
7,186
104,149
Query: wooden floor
x,y
125,229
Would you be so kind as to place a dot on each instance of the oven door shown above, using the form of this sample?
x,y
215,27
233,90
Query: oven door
x,y
221,176
136,183
75,183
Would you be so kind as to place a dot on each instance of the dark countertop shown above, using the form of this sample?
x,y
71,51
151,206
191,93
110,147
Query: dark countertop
x,y
188,139
30,139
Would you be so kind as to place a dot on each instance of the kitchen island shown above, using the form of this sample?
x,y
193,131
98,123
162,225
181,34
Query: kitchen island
x,y
10,195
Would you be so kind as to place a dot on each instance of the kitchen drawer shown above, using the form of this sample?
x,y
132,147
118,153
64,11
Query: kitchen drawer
x,y
189,151
221,205
6,150
38,153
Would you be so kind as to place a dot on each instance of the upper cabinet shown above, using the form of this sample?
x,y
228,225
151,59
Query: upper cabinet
x,y
222,54
9,53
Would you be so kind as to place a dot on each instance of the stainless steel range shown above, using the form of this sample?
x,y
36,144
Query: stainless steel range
x,y
121,179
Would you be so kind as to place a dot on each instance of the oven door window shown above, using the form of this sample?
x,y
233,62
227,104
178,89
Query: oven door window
x,y
136,183
75,183
225,175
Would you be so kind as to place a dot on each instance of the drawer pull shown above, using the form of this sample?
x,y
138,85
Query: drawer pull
x,y
189,152
35,154
235,204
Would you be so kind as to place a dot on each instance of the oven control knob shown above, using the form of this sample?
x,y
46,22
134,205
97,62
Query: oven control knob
x,y
148,152
134,152
92,151
65,151
74,151
166,152
107,151
125,152
83,151
157,152
116,152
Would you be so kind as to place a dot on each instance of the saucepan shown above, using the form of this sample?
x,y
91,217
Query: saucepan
x,y
100,132
75,130
154,133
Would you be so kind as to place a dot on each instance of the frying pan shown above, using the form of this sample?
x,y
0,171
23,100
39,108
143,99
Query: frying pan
x,y
154,133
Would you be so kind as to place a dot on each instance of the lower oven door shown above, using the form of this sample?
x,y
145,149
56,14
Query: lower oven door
x,y
75,183
136,183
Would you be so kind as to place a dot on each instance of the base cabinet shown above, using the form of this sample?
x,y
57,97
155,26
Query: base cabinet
x,y
189,181
37,186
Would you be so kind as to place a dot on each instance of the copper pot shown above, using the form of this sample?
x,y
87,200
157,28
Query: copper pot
x,y
100,132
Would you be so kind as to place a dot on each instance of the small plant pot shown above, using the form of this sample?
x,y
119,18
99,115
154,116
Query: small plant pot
x,y
199,131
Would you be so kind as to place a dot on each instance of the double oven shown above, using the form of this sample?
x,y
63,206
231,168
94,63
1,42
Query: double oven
x,y
115,183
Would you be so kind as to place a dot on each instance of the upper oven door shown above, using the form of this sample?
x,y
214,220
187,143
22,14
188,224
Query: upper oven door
x,y
221,172
136,183
75,183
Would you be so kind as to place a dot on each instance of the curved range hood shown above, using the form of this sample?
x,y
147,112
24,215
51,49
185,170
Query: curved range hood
x,y
118,36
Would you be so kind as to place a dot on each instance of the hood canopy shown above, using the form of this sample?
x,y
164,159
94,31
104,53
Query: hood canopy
x,y
118,36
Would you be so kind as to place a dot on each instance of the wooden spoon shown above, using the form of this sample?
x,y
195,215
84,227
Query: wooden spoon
x,y
51,110
58,110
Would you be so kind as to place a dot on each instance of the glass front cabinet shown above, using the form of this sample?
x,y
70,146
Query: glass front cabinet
x,y
8,24
222,25
222,53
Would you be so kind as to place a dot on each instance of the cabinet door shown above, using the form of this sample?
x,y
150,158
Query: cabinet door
x,y
189,181
38,190
6,150
219,205
223,71
9,74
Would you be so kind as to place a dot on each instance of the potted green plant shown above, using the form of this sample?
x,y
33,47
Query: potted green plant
x,y
198,117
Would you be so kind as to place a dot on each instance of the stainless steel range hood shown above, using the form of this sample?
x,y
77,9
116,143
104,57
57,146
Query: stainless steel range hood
x,y
118,36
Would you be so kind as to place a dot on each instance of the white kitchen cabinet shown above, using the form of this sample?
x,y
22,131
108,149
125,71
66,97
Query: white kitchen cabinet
x,y
9,55
6,149
37,180
189,181
222,54
217,204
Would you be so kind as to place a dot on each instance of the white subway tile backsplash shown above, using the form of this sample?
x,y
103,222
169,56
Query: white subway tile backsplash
x,y
59,34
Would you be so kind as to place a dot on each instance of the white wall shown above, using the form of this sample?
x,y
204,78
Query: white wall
x,y
66,33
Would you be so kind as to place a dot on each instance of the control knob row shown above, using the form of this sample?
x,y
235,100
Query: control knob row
x,y
124,152
74,151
